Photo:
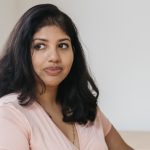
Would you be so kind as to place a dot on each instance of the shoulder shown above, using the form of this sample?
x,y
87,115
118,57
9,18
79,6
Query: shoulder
x,y
8,99
14,126
11,111
103,121
11,101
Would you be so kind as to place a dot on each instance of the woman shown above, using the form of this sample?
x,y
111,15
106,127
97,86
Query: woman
x,y
48,98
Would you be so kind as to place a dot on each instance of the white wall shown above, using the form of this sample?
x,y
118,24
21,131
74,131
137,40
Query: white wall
x,y
8,18
116,35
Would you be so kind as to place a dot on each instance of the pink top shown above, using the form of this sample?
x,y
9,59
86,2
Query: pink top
x,y
30,128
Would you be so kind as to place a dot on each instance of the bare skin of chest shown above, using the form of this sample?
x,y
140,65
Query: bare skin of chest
x,y
68,129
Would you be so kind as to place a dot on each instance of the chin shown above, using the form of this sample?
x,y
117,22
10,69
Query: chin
x,y
52,84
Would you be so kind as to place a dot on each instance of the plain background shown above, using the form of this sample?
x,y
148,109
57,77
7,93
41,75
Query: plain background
x,y
116,37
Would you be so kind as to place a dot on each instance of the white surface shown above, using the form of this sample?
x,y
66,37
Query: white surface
x,y
8,11
138,140
116,35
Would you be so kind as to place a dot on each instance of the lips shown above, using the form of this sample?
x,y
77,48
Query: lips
x,y
53,71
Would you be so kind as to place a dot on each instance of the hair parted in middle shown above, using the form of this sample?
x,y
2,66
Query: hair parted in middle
x,y
77,93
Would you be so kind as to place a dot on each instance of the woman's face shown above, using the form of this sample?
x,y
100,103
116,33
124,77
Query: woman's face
x,y
52,55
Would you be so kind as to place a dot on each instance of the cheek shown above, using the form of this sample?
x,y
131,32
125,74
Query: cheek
x,y
70,60
36,62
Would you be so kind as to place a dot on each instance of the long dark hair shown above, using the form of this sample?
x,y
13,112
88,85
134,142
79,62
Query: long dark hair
x,y
77,94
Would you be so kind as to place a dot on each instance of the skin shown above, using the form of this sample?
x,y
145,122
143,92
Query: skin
x,y
115,142
52,47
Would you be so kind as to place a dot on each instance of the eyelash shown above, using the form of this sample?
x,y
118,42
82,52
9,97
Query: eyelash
x,y
36,46
63,44
60,45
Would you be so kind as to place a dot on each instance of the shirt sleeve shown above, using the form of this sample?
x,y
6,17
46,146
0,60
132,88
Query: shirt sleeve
x,y
13,130
106,124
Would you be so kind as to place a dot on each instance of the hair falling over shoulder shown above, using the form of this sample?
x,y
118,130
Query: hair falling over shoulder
x,y
77,93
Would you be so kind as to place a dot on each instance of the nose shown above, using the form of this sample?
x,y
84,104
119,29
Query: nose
x,y
53,55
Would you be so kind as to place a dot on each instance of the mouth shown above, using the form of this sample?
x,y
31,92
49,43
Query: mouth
x,y
53,71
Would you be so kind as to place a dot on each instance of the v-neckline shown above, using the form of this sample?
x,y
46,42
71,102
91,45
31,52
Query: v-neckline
x,y
58,129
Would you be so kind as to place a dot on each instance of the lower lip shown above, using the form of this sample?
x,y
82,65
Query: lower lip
x,y
53,72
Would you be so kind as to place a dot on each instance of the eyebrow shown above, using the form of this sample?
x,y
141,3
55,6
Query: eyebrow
x,y
45,40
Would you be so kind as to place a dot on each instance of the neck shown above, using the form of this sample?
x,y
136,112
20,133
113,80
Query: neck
x,y
48,98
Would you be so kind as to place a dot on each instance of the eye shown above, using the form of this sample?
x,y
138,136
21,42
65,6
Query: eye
x,y
63,45
39,46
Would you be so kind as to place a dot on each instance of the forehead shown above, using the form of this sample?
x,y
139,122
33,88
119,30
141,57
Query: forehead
x,y
50,31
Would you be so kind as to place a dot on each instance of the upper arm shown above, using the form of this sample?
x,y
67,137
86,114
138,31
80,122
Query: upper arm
x,y
13,133
106,124
115,142
112,137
